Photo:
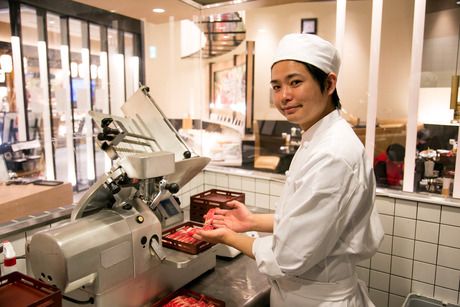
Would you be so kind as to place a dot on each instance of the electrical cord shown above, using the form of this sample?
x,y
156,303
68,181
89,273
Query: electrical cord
x,y
75,301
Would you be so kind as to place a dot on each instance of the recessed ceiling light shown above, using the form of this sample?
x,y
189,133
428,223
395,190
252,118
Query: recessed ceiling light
x,y
158,10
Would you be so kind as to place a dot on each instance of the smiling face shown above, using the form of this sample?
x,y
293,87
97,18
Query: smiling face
x,y
297,95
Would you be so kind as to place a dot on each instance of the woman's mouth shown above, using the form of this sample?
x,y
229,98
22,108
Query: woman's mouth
x,y
290,110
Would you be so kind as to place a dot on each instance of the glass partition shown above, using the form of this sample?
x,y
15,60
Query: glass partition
x,y
439,111
81,85
7,99
99,86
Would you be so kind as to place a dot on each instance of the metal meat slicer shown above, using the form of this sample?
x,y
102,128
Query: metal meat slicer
x,y
110,252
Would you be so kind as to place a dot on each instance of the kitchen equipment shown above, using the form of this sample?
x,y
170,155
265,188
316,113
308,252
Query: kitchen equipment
x,y
111,249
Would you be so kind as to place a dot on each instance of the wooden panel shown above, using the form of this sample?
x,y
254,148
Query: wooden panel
x,y
17,201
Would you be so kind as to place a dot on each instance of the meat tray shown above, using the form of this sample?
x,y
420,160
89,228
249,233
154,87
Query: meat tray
x,y
17,289
204,300
190,248
213,198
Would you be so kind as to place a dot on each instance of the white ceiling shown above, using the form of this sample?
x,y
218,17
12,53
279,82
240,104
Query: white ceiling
x,y
178,9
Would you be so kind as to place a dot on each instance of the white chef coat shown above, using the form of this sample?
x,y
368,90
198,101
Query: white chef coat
x,y
325,221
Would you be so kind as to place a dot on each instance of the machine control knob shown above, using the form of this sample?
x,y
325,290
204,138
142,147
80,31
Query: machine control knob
x,y
172,187
106,121
140,219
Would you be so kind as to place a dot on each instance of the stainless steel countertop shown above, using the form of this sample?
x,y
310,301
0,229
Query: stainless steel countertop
x,y
235,281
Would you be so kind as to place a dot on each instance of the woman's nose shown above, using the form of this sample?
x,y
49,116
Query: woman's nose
x,y
286,93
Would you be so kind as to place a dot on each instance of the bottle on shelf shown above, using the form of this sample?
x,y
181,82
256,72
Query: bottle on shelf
x,y
9,258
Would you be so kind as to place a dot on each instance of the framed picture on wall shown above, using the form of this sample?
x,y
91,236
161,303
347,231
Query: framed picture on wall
x,y
308,25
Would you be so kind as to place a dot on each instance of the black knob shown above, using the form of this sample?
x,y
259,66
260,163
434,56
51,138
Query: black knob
x,y
187,154
108,130
172,187
106,121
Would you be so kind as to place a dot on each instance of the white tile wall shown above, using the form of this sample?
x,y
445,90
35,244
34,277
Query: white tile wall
x,y
262,186
403,247
423,288
450,216
396,301
446,295
381,262
425,252
401,266
427,231
400,285
263,201
424,272
385,205
406,208
222,181
450,236
429,212
449,257
447,278
248,184
276,188
404,227
234,183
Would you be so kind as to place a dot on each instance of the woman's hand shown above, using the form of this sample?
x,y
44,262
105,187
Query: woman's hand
x,y
238,218
218,235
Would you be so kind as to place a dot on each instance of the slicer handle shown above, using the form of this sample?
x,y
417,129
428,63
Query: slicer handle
x,y
156,247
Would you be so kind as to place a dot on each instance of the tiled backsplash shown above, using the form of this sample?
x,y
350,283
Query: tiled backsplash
x,y
420,252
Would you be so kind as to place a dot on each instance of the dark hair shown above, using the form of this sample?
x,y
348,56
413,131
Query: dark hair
x,y
396,152
321,77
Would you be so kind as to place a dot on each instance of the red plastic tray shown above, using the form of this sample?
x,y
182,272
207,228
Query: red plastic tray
x,y
191,248
208,300
214,198
17,289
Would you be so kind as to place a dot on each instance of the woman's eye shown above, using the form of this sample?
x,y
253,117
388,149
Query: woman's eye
x,y
276,87
295,82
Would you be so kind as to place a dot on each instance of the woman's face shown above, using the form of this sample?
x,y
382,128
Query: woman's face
x,y
298,96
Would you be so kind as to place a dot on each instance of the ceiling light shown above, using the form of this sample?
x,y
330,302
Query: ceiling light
x,y
158,10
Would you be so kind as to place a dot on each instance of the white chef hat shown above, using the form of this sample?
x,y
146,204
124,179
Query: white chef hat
x,y
308,48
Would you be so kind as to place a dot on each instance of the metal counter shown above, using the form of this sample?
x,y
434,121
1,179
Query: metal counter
x,y
235,281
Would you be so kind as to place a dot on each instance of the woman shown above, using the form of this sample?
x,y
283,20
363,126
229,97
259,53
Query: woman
x,y
325,221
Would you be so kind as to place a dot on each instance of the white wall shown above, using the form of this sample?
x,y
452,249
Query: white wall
x,y
176,84
180,86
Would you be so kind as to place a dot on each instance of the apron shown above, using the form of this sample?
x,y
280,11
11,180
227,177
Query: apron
x,y
291,291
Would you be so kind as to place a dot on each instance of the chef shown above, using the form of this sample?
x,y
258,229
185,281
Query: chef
x,y
325,221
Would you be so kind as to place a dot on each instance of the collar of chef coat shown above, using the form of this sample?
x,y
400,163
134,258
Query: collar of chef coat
x,y
321,125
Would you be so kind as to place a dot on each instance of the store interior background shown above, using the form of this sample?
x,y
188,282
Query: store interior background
x,y
421,248
182,84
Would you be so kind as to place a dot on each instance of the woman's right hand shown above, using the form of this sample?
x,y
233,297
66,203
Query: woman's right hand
x,y
237,218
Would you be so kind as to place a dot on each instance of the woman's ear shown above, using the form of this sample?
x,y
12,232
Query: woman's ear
x,y
331,83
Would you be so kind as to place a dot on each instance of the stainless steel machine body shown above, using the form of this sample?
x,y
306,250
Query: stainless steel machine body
x,y
110,251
